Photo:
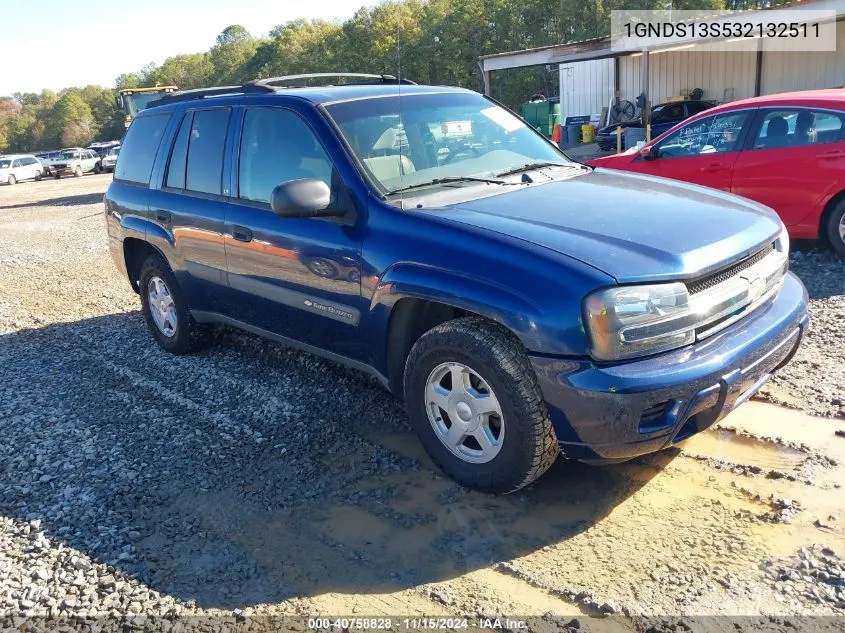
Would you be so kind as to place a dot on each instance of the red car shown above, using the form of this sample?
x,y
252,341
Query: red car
x,y
786,151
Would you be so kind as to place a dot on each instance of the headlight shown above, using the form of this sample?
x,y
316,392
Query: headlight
x,y
631,321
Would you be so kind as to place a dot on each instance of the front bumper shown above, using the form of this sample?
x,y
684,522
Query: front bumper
x,y
614,412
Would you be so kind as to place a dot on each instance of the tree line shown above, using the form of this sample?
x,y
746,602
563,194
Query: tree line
x,y
429,41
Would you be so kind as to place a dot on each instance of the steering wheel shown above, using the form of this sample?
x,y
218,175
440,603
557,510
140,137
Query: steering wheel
x,y
461,151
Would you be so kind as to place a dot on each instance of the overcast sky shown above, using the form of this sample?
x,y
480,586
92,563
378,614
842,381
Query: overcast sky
x,y
57,43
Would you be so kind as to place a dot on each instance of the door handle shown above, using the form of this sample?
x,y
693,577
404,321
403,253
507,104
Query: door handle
x,y
714,167
163,216
241,233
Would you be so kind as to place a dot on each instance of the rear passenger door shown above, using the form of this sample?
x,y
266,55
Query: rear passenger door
x,y
793,160
296,277
192,204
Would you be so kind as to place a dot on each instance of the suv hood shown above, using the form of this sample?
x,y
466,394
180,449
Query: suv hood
x,y
634,228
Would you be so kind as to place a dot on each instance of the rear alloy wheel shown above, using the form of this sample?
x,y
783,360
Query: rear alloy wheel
x,y
38,176
77,171
165,311
835,228
12,180
475,403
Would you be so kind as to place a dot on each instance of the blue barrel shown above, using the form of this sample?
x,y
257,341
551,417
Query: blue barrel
x,y
573,134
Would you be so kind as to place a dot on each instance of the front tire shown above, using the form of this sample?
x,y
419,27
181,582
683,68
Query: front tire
x,y
165,310
98,168
77,172
12,180
38,176
835,228
476,406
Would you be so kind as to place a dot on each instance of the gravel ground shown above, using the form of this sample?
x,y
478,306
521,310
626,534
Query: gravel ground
x,y
252,481
815,379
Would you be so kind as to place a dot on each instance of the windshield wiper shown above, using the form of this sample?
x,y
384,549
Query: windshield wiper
x,y
448,179
537,165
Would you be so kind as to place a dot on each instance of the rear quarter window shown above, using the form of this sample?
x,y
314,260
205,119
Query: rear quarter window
x,y
139,148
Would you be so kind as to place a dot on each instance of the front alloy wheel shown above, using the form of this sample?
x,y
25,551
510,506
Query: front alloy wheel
x,y
475,403
464,413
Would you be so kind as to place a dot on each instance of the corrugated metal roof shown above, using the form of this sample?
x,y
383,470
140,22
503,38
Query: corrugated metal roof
x,y
597,44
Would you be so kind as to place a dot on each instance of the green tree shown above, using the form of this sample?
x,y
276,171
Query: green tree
x,y
230,55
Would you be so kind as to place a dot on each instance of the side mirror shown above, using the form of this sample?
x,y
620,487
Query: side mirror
x,y
649,152
303,198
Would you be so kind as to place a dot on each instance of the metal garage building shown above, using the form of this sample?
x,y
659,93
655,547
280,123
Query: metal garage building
x,y
591,72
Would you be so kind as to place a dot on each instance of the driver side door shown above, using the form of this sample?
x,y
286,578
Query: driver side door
x,y
703,151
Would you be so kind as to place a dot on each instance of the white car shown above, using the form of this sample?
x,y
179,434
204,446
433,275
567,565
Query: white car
x,y
110,159
76,161
17,167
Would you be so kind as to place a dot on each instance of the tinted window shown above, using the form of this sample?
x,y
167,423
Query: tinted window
x,y
179,155
694,107
139,148
277,146
798,127
205,151
16,163
664,114
710,135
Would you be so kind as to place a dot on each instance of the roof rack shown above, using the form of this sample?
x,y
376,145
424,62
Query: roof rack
x,y
266,85
369,79
202,93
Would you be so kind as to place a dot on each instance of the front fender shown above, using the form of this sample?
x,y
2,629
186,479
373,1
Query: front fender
x,y
483,297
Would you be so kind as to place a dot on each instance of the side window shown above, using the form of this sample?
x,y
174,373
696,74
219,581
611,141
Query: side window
x,y
798,127
139,148
179,155
204,171
16,163
710,135
277,146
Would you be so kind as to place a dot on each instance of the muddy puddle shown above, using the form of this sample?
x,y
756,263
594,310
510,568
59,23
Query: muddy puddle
x,y
727,445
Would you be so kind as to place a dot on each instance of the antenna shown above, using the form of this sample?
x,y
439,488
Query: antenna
x,y
401,123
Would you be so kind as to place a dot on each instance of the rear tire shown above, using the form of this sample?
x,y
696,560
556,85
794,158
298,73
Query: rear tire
x,y
38,176
493,367
77,172
12,180
835,228
187,335
98,168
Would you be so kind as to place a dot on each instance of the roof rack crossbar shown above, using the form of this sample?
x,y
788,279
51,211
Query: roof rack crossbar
x,y
387,79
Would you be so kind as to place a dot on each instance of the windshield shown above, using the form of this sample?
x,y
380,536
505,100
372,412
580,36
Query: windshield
x,y
134,103
450,135
70,155
114,152
5,164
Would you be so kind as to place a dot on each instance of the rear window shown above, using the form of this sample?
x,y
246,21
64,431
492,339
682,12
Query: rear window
x,y
139,148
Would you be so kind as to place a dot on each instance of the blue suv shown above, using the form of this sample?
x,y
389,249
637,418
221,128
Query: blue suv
x,y
522,304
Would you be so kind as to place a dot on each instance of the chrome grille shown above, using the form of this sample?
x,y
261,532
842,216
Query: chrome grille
x,y
727,295
714,279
